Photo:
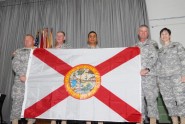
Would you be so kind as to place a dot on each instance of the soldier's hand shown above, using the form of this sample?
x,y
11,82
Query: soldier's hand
x,y
144,72
22,78
13,54
183,79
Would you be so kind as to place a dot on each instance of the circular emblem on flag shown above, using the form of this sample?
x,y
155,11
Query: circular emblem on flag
x,y
82,81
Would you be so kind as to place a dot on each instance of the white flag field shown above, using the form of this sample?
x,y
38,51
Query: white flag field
x,y
84,84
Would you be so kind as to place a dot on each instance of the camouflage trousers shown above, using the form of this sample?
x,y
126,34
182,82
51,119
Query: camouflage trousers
x,y
150,93
173,93
17,97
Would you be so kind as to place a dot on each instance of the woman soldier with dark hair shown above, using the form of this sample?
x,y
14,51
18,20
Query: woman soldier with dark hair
x,y
171,75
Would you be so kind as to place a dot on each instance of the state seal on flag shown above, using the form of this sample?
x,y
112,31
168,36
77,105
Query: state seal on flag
x,y
82,81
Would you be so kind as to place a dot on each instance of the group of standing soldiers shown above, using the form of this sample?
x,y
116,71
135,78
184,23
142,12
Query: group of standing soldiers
x,y
162,70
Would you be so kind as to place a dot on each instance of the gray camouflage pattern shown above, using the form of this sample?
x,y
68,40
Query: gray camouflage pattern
x,y
171,60
170,68
149,96
19,65
149,56
90,47
173,93
66,45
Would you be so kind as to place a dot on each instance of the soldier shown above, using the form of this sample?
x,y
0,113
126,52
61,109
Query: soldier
x,y
19,64
149,57
61,43
171,74
92,43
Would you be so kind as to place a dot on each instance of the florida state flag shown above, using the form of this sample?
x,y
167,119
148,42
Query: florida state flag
x,y
84,84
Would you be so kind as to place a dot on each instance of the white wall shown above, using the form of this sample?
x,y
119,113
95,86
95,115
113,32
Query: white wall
x,y
167,13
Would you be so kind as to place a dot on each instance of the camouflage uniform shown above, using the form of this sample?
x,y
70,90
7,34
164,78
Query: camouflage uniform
x,y
149,57
65,46
171,67
93,47
19,64
93,122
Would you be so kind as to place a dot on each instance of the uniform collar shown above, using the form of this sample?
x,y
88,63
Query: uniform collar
x,y
164,48
170,45
93,47
146,42
62,46
25,48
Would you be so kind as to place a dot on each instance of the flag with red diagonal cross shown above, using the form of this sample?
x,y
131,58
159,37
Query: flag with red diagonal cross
x,y
84,84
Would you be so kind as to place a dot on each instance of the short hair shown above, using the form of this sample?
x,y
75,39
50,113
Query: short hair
x,y
141,26
146,26
91,33
29,35
165,29
62,33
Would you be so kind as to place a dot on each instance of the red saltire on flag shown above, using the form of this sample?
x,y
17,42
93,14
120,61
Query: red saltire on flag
x,y
84,84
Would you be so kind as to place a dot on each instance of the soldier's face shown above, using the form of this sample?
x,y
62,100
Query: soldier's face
x,y
28,42
92,39
60,37
143,33
165,36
